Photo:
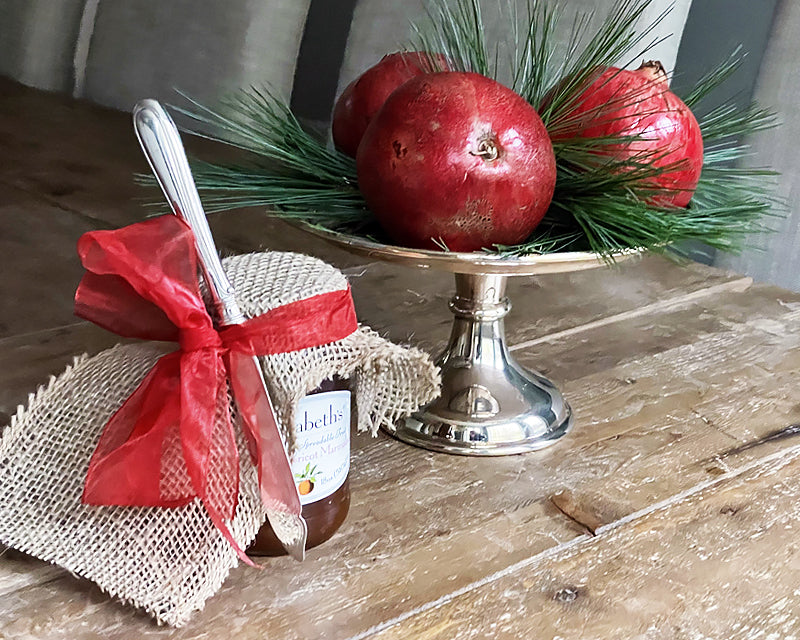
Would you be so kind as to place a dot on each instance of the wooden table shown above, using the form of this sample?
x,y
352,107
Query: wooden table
x,y
669,512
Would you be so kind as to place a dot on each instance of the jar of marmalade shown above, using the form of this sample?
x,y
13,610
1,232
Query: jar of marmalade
x,y
320,466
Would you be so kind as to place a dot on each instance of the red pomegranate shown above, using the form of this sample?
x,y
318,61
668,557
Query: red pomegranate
x,y
457,158
639,103
362,98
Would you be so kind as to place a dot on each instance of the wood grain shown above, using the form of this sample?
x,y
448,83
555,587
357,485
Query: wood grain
x,y
81,159
683,382
643,418
40,265
416,311
719,562
28,360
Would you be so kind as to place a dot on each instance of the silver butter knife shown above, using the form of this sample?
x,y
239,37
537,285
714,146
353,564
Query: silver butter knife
x,y
164,150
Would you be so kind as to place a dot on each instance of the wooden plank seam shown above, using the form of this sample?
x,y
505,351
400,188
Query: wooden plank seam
x,y
42,333
788,456
735,286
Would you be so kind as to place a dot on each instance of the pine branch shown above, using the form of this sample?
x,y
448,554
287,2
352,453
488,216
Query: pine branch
x,y
292,170
601,201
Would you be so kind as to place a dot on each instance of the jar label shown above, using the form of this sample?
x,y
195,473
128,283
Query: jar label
x,y
322,459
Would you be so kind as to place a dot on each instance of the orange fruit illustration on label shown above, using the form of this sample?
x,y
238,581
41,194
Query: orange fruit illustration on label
x,y
306,480
305,487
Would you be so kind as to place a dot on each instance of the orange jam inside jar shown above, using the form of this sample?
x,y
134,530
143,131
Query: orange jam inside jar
x,y
321,465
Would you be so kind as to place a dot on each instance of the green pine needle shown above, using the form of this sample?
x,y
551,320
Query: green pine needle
x,y
458,33
714,78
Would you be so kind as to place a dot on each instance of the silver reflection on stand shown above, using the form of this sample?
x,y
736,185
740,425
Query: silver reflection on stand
x,y
489,405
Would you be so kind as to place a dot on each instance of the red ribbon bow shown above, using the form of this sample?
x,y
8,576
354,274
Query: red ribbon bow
x,y
172,440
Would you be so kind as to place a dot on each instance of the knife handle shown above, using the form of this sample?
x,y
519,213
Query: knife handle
x,y
164,150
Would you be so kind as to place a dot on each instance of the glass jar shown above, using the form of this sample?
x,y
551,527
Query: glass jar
x,y
320,465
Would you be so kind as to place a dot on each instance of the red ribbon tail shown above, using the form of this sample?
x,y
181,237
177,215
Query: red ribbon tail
x,y
223,528
205,439
127,464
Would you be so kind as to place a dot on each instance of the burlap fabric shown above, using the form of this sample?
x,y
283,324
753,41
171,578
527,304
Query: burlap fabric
x,y
170,561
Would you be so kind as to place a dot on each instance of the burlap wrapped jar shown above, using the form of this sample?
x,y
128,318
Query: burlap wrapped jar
x,y
170,561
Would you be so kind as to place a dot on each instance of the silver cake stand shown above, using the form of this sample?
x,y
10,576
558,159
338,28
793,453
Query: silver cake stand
x,y
489,405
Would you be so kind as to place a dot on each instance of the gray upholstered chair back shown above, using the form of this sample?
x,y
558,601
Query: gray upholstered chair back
x,y
114,52
775,257
381,25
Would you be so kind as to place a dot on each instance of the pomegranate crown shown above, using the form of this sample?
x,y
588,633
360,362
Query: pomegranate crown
x,y
654,71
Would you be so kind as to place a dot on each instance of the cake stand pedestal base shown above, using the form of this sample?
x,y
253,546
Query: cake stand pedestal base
x,y
490,405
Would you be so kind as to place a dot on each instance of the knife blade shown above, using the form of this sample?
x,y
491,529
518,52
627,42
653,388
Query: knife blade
x,y
162,146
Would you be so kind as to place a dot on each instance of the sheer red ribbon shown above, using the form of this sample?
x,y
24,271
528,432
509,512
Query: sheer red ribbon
x,y
172,440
